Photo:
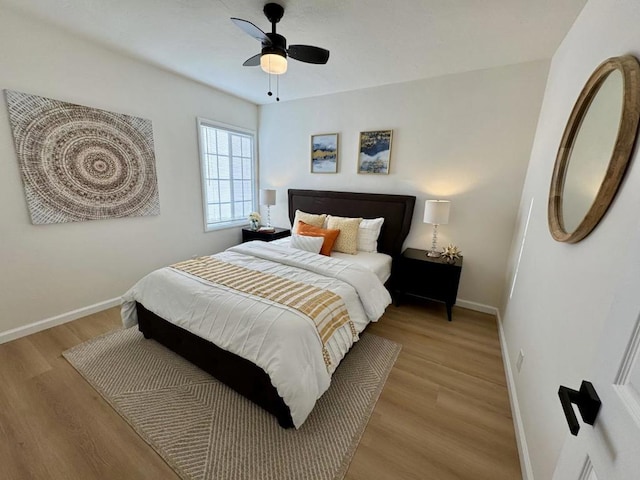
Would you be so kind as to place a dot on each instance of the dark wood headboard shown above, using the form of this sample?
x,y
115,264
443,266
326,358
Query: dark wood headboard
x,y
397,211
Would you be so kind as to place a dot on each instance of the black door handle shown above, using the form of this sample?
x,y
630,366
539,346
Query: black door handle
x,y
587,401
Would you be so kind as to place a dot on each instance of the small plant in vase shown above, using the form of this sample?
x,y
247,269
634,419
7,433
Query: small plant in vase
x,y
254,220
451,253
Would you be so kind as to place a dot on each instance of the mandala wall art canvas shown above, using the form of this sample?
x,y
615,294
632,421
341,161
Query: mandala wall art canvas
x,y
80,163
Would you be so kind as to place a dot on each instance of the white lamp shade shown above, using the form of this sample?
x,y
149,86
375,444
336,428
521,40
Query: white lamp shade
x,y
273,63
267,197
437,212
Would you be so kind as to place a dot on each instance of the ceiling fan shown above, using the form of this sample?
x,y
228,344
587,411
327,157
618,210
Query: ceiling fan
x,y
273,57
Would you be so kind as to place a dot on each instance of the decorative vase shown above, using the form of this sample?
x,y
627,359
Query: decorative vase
x,y
254,224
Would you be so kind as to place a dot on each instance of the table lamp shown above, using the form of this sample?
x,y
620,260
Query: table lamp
x,y
436,212
268,198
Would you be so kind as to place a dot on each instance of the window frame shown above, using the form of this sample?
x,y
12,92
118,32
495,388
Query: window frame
x,y
210,227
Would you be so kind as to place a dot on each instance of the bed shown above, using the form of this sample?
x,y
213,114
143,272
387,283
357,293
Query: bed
x,y
243,375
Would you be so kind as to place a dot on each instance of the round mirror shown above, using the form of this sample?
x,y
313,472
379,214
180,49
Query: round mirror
x,y
595,149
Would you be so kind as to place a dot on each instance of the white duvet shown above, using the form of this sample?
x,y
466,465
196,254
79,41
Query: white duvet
x,y
280,340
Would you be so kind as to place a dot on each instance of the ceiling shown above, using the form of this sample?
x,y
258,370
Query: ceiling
x,y
372,43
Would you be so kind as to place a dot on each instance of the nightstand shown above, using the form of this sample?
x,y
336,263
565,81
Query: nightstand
x,y
433,278
248,235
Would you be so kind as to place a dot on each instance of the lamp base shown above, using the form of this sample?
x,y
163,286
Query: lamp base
x,y
434,243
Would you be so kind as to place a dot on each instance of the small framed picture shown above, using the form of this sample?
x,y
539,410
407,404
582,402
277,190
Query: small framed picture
x,y
324,153
375,152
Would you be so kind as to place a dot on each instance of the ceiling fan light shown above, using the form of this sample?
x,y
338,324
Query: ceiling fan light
x,y
273,63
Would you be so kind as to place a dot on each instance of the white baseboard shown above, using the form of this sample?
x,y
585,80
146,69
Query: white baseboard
x,y
57,320
478,307
521,440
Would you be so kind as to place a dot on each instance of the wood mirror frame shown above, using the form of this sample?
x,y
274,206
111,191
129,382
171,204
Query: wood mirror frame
x,y
620,156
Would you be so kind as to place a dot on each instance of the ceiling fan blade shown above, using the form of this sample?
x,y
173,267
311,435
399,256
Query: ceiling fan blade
x,y
308,54
253,61
252,30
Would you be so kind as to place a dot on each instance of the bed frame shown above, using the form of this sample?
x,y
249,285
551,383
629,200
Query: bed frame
x,y
240,374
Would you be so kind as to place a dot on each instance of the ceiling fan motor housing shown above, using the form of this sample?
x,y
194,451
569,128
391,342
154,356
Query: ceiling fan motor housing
x,y
278,45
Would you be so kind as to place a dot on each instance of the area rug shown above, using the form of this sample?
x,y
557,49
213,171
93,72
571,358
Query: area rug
x,y
204,430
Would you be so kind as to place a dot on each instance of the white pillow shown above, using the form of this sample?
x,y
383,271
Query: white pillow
x,y
307,243
368,233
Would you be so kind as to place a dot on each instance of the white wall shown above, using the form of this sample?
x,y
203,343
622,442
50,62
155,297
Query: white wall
x,y
464,137
563,292
51,269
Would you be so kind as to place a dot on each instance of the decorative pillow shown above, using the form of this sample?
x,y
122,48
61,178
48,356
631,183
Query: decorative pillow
x,y
368,234
307,243
347,241
309,219
328,235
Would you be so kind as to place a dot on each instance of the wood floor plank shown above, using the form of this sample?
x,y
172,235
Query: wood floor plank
x,y
444,413
51,342
26,361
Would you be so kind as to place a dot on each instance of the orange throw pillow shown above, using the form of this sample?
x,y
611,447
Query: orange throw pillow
x,y
329,236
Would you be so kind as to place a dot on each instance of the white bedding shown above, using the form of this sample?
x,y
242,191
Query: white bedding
x,y
280,340
378,263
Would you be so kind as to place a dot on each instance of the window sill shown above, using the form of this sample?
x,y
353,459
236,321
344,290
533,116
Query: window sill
x,y
226,225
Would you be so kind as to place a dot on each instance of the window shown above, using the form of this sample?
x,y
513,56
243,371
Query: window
x,y
228,174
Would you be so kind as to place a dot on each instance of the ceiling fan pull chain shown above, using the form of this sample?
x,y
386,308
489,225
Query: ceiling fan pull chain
x,y
277,88
269,92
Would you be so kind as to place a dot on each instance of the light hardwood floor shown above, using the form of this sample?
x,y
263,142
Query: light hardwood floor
x,y
444,412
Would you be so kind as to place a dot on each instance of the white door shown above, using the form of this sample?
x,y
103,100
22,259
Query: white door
x,y
610,450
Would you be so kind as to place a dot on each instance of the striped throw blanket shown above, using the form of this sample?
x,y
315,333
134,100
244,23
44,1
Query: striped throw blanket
x,y
326,309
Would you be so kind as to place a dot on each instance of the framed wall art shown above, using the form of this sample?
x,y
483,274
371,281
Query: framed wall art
x,y
80,163
374,153
324,153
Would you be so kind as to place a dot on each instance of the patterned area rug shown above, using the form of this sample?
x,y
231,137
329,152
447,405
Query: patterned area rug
x,y
205,430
